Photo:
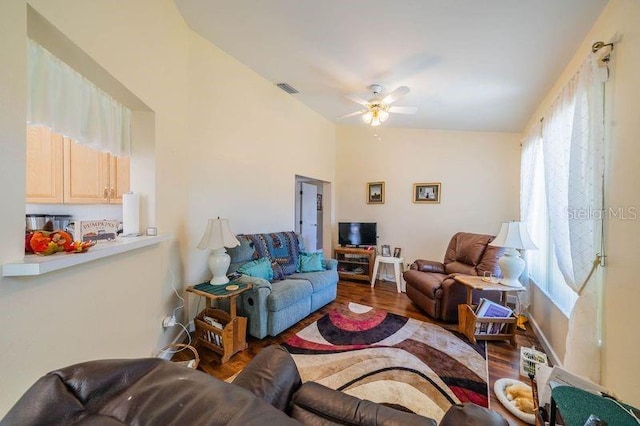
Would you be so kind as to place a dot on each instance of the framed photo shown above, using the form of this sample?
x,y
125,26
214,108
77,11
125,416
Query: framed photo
x,y
427,192
375,193
386,250
396,251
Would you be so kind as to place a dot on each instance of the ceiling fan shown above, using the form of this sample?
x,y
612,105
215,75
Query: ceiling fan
x,y
377,108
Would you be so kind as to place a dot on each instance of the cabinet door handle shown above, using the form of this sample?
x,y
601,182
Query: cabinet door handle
x,y
113,193
105,193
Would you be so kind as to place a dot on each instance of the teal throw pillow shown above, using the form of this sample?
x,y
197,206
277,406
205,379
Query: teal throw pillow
x,y
260,268
310,262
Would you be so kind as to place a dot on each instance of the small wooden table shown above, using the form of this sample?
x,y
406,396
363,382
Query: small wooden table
x,y
470,325
231,336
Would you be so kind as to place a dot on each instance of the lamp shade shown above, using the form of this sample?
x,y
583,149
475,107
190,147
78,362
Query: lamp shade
x,y
514,235
218,235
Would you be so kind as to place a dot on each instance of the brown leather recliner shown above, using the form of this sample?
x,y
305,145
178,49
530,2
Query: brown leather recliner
x,y
431,286
151,391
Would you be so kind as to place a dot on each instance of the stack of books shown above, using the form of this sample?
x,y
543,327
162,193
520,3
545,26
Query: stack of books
x,y
488,309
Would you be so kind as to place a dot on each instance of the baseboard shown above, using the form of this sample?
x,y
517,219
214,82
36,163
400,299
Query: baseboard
x,y
551,354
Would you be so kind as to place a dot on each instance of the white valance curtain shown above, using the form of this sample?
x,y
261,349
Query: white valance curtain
x,y
573,150
68,103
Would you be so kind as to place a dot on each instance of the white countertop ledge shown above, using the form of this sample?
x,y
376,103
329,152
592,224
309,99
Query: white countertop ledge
x,y
33,264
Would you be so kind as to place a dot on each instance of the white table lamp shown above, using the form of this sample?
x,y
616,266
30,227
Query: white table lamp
x,y
216,237
513,236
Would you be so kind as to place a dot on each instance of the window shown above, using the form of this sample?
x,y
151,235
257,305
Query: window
x,y
542,263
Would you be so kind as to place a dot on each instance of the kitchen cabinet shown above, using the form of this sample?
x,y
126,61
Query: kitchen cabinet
x,y
85,175
44,179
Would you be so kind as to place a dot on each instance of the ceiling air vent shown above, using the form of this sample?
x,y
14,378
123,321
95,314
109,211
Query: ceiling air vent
x,y
285,86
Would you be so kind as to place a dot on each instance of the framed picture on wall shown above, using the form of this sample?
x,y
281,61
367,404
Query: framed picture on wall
x,y
427,193
375,193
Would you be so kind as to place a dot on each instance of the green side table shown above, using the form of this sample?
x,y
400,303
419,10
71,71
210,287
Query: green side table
x,y
576,405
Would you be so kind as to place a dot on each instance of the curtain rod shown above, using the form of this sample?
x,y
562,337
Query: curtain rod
x,y
595,47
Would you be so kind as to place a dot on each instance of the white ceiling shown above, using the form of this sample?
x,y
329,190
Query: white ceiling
x,y
471,65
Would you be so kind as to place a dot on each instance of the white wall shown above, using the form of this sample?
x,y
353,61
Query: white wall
x,y
249,141
479,173
621,345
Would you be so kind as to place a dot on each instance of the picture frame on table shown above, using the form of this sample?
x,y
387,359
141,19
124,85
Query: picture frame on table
x,y
396,251
427,193
385,250
375,193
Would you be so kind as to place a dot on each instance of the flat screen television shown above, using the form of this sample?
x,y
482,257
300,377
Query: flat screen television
x,y
357,234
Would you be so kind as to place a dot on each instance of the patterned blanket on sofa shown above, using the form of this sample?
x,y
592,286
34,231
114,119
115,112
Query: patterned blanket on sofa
x,y
281,247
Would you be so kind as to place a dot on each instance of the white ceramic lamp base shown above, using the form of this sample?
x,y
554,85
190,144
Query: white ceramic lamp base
x,y
219,262
512,266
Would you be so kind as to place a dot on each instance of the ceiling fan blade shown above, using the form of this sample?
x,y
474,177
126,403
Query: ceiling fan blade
x,y
357,100
403,110
351,114
395,95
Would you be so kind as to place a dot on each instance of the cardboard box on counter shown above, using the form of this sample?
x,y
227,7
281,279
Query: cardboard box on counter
x,y
96,230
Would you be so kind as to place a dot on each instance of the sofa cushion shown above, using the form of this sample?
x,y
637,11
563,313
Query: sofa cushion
x,y
278,273
460,268
139,391
310,262
427,283
287,292
471,415
243,252
470,247
319,280
271,375
315,404
489,261
260,268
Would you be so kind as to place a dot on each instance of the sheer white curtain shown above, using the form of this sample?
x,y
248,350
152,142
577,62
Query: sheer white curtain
x,y
531,213
63,100
573,149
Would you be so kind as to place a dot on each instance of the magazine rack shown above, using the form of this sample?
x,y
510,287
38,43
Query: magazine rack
x,y
484,328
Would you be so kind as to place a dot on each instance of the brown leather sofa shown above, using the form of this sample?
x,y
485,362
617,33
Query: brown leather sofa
x,y
431,286
155,392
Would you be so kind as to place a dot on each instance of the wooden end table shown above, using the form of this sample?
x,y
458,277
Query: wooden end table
x,y
222,332
472,326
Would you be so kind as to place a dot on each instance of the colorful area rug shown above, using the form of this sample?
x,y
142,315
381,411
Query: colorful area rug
x,y
400,362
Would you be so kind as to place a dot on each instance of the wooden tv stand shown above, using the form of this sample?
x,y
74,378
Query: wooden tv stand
x,y
355,263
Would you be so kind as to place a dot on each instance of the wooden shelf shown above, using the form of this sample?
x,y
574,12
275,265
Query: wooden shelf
x,y
349,258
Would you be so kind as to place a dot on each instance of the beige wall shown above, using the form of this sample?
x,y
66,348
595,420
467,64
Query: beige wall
x,y
114,307
252,139
621,345
479,173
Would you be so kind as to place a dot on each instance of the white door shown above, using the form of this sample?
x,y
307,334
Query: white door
x,y
309,215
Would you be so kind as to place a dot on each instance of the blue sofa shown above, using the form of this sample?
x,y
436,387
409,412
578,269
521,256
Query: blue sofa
x,y
272,307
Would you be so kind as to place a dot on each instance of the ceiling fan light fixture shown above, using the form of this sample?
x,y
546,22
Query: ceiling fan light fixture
x,y
367,117
383,115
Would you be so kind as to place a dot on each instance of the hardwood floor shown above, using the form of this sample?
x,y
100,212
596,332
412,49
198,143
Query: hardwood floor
x,y
503,357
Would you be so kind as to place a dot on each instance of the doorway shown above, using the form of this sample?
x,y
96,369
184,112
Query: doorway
x,y
310,205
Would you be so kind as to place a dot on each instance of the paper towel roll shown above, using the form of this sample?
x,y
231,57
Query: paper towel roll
x,y
130,214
